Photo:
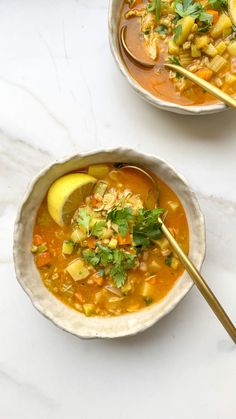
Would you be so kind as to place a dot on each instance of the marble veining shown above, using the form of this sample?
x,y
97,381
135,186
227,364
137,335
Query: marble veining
x,y
60,92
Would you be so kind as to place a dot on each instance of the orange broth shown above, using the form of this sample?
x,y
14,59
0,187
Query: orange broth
x,y
148,282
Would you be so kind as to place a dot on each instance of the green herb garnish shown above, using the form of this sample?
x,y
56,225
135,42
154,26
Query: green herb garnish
x,y
168,259
148,300
98,228
177,32
121,217
193,9
218,4
84,219
162,30
174,60
147,227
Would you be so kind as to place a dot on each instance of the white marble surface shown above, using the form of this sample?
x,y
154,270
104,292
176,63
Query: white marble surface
x,y
60,91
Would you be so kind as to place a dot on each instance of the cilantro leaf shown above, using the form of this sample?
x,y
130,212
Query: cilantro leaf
x,y
105,254
155,6
122,262
121,218
177,32
174,60
91,257
84,219
147,227
98,228
218,4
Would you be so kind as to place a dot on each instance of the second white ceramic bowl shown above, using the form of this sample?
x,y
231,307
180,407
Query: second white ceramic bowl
x,y
62,315
113,25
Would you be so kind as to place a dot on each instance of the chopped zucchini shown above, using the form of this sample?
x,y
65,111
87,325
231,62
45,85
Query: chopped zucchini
x,y
211,50
98,171
217,63
67,247
173,49
78,236
222,23
201,41
186,23
232,48
89,309
78,270
195,52
100,188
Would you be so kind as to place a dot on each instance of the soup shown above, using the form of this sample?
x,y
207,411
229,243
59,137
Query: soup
x,y
98,245
198,35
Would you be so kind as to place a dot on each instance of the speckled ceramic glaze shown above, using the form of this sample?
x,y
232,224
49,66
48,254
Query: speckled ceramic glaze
x,y
113,22
67,318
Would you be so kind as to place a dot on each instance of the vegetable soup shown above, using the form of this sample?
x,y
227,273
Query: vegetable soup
x,y
198,35
98,245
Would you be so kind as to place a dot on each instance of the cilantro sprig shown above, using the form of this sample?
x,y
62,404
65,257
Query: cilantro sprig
x,y
147,227
84,219
119,260
195,9
98,228
155,6
121,217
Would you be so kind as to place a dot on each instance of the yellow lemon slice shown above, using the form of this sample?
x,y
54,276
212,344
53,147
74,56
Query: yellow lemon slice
x,y
66,194
232,10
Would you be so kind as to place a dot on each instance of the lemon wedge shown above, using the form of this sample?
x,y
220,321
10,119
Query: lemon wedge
x,y
66,194
232,10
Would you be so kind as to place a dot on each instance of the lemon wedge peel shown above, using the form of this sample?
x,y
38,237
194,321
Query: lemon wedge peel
x,y
66,194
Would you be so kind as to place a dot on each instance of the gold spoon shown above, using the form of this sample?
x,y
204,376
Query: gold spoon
x,y
213,90
190,268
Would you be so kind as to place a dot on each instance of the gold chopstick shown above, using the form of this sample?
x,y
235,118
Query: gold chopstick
x,y
210,88
201,284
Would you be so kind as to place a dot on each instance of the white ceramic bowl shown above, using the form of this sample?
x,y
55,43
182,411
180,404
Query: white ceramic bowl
x,y
29,278
113,22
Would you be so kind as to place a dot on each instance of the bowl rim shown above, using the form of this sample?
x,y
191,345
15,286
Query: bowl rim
x,y
187,285
145,94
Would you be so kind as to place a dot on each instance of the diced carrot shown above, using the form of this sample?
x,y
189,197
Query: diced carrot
x,y
204,73
215,15
152,280
94,201
124,240
37,240
91,242
79,297
43,259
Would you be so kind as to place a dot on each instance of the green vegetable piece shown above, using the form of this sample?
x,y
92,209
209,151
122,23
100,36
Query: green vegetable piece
x,y
67,247
121,218
148,300
84,219
147,227
42,248
155,6
98,228
168,259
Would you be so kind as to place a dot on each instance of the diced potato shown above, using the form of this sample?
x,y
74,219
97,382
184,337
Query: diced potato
x,y
113,244
223,23
147,289
174,263
195,52
98,171
78,235
173,49
211,50
162,243
173,205
201,41
78,270
187,23
221,47
217,63
153,267
67,247
232,48
89,309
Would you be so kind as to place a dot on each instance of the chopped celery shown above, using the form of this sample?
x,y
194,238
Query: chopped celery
x,y
211,50
217,63
221,47
100,188
42,248
67,247
78,236
186,24
98,171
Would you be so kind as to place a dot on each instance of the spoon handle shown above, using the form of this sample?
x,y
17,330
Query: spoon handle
x,y
224,97
201,284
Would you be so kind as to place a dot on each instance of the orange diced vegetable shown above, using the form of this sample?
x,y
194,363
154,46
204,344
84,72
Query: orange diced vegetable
x,y
94,201
43,259
97,278
37,240
79,297
124,240
152,280
204,73
215,15
91,242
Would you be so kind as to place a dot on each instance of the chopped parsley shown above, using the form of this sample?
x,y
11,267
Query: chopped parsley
x,y
162,30
121,217
168,260
218,4
177,32
98,228
147,227
119,260
174,60
194,9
